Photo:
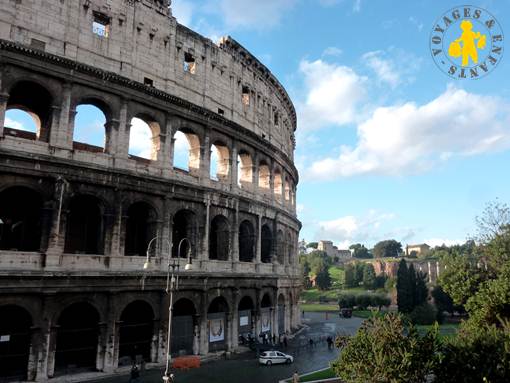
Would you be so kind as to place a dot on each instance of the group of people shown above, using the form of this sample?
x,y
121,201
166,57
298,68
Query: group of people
x,y
282,339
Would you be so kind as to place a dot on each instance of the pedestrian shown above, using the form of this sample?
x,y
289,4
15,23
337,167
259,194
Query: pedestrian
x,y
134,376
274,339
330,342
295,377
310,342
285,341
266,338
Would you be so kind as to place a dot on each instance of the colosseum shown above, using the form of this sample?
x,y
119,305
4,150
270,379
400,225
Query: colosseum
x,y
78,222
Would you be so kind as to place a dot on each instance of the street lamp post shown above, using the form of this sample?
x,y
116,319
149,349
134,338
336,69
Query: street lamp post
x,y
172,284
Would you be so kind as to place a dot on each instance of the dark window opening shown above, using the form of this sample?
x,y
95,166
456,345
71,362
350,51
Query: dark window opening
x,y
183,327
221,112
189,63
140,229
276,119
84,226
266,245
246,242
101,25
246,96
38,44
136,332
148,81
182,228
219,239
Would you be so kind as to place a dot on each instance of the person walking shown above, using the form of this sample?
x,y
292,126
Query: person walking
x,y
285,341
134,376
295,377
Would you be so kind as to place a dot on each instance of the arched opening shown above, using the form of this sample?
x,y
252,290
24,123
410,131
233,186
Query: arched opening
x,y
266,247
21,123
140,228
287,189
15,341
281,314
220,162
184,328
89,128
244,169
280,247
136,333
84,226
77,338
265,314
219,239
246,242
186,151
20,219
34,100
245,309
183,227
144,140
289,248
217,321
264,176
278,184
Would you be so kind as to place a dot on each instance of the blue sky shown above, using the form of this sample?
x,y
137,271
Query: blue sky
x,y
388,146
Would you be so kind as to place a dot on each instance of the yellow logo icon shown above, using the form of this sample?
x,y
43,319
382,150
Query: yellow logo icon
x,y
466,42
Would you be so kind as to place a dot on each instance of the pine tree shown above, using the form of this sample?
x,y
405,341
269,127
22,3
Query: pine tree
x,y
411,275
323,279
404,293
349,280
422,291
369,277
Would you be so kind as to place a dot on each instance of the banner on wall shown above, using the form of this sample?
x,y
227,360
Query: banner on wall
x,y
216,330
244,320
266,321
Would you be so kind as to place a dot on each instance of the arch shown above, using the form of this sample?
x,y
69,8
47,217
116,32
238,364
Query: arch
x,y
219,239
186,150
266,247
265,313
136,332
245,312
37,101
264,176
217,320
183,227
90,126
287,189
183,327
220,162
280,247
25,123
20,214
84,233
244,169
281,314
266,301
144,138
77,338
246,242
140,228
15,326
278,183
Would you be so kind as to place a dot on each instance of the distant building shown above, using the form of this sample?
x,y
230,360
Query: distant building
x,y
333,251
418,249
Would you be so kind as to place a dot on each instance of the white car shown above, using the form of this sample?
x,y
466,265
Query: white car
x,y
274,357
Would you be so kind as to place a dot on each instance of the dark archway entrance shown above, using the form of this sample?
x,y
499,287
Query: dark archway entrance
x,y
183,327
217,320
219,239
246,242
183,227
20,212
266,311
281,314
84,226
140,228
136,332
245,309
77,338
266,245
15,323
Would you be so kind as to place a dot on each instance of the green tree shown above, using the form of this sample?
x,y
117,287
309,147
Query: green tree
x,y
323,279
359,268
349,278
369,278
360,251
387,248
442,301
313,245
318,259
421,291
404,291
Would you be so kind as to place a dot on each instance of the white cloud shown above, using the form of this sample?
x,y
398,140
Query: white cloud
x,y
418,24
10,123
410,138
261,14
384,68
351,229
183,11
332,51
334,93
433,242
140,139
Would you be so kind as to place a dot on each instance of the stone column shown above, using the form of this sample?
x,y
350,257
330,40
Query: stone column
x,y
235,234
115,242
101,347
56,239
111,131
233,167
229,316
51,343
259,239
155,342
203,325
235,321
123,132
4,97
35,344
205,158
205,244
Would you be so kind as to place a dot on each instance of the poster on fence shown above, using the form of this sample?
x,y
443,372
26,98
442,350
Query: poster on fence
x,y
216,330
266,321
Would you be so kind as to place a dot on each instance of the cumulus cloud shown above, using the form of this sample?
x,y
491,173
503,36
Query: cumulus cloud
x,y
183,11
410,138
332,51
433,242
351,229
383,68
334,93
10,123
140,139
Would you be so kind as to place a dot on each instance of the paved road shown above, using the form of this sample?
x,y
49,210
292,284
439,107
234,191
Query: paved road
x,y
244,368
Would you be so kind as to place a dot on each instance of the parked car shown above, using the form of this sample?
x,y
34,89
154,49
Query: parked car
x,y
275,357
345,312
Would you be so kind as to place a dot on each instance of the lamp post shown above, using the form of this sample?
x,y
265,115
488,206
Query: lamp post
x,y
172,284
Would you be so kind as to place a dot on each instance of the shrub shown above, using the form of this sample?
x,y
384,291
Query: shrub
x,y
346,301
363,301
423,314
379,300
383,351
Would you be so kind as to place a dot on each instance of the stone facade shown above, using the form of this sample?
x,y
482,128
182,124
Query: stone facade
x,y
77,219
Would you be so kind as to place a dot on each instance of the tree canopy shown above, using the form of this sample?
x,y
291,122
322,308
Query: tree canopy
x,y
360,251
387,248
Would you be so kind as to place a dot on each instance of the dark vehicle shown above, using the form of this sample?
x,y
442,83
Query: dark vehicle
x,y
345,313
